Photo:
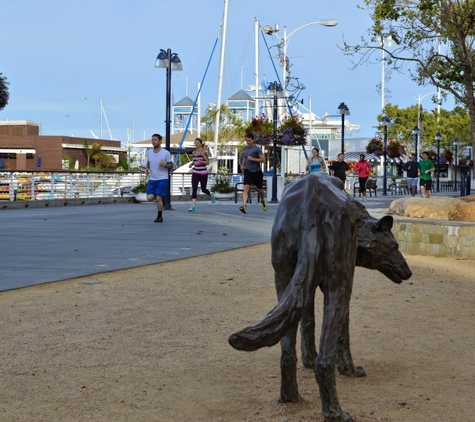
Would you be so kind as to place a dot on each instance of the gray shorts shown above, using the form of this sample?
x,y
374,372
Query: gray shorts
x,y
412,181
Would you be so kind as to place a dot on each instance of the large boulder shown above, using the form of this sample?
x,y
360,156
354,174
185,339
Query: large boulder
x,y
435,208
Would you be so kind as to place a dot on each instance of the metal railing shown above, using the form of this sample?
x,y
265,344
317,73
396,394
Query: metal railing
x,y
44,185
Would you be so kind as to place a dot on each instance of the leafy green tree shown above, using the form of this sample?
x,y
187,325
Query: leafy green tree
x,y
452,125
4,94
435,38
230,126
95,152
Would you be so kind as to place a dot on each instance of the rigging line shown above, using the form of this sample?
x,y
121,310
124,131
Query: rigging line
x,y
197,95
286,99
275,70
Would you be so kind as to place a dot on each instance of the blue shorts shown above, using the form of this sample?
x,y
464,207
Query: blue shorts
x,y
157,187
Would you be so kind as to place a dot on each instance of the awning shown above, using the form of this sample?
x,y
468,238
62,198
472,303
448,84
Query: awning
x,y
355,156
372,158
17,151
103,147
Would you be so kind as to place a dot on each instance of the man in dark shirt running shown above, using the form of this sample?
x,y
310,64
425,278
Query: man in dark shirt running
x,y
412,169
340,168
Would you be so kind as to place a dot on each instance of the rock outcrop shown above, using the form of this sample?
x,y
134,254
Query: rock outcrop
x,y
435,208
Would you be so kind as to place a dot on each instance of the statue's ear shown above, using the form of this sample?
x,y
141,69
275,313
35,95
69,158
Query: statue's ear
x,y
385,224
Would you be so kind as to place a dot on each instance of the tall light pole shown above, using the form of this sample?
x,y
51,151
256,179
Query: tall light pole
x,y
275,89
456,144
344,111
170,61
419,100
386,122
286,38
438,138
416,133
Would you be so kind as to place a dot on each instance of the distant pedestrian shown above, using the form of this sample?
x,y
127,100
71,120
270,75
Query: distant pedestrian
x,y
316,163
426,167
412,174
340,168
252,157
362,168
159,162
199,174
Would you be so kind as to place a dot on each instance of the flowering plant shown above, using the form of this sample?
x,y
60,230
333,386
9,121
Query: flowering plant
x,y
375,146
262,128
221,182
142,185
395,148
290,132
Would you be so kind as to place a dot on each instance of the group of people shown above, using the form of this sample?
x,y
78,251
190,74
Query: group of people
x,y
159,162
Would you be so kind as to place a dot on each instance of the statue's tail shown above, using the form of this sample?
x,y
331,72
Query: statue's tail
x,y
269,330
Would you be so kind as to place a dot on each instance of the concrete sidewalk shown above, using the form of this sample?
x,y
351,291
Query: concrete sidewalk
x,y
40,245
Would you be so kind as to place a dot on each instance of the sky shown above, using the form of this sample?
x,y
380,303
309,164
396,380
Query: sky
x,y
61,58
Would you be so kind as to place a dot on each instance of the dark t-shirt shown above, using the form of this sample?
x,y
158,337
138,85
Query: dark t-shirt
x,y
340,167
411,168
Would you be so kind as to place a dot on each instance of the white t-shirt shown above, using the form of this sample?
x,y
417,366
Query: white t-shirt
x,y
156,171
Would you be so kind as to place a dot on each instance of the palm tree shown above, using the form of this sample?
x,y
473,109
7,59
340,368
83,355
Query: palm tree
x,y
95,152
4,94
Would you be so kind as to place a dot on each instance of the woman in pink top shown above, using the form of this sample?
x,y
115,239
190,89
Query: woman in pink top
x,y
362,168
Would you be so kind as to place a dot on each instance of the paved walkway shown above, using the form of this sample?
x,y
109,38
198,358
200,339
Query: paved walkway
x,y
40,245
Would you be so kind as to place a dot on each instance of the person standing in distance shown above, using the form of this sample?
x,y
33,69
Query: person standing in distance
x,y
316,163
426,167
199,174
340,168
412,174
363,168
252,157
159,162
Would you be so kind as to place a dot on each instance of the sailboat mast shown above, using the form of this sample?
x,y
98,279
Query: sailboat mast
x,y
220,77
256,71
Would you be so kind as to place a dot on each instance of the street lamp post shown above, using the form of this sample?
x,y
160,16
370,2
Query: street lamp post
x,y
286,38
416,133
438,138
170,61
274,88
386,122
344,111
456,144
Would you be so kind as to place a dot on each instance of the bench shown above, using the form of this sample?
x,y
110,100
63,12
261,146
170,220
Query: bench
x,y
371,187
239,187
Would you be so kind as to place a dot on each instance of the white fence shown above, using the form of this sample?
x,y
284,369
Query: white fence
x,y
40,185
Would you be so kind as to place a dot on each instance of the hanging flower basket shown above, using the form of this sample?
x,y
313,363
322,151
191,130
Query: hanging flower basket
x,y
262,128
375,146
290,131
395,149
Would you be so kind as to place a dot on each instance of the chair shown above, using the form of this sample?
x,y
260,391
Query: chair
x,y
239,187
371,186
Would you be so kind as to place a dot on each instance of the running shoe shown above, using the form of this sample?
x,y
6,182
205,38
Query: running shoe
x,y
192,208
158,220
243,209
264,205
213,198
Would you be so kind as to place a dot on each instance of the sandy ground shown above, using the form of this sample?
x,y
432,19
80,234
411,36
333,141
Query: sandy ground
x,y
150,344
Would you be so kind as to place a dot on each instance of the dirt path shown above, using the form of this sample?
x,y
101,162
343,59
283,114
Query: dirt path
x,y
150,344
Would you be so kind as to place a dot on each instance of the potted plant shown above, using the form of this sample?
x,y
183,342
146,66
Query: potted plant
x,y
140,190
222,188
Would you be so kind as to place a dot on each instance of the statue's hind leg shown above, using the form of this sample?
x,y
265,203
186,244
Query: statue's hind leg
x,y
307,331
336,307
289,390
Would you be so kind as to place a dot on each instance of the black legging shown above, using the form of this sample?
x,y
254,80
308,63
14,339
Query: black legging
x,y
201,179
362,181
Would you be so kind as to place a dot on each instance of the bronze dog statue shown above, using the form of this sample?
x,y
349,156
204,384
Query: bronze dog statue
x,y
319,235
